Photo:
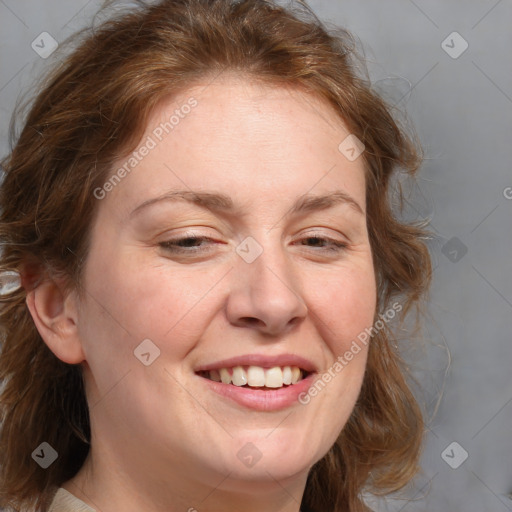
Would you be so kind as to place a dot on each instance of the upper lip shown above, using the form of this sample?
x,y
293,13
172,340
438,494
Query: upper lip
x,y
262,360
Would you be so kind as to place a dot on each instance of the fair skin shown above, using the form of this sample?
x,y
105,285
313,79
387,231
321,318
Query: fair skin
x,y
164,436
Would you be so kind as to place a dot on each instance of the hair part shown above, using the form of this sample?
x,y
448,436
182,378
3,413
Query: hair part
x,y
92,109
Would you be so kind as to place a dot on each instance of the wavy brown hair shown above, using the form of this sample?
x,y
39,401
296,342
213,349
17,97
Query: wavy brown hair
x,y
92,108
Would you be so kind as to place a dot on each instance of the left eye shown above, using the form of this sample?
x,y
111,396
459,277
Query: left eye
x,y
327,243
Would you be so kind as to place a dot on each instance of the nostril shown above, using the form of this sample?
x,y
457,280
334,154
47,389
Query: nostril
x,y
250,320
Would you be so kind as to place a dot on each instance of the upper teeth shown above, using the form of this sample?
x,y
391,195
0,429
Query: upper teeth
x,y
257,376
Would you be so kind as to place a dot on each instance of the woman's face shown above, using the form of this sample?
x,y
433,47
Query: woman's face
x,y
267,269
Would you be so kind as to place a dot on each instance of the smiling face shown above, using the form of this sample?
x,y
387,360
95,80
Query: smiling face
x,y
237,245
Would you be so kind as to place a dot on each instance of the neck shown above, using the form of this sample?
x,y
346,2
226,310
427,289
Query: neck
x,y
108,485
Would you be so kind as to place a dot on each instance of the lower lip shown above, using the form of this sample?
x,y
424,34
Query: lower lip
x,y
259,399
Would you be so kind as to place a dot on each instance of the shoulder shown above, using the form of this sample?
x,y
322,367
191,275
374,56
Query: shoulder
x,y
64,501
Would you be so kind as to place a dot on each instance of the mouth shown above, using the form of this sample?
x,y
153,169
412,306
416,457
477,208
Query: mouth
x,y
256,377
259,382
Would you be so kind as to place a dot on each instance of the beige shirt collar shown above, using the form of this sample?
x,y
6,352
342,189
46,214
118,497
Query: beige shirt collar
x,y
64,501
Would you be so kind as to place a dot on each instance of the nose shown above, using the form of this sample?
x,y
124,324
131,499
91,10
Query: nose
x,y
265,295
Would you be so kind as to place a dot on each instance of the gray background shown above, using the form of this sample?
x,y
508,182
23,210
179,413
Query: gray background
x,y
462,110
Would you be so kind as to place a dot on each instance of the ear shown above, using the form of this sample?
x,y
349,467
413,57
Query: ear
x,y
55,314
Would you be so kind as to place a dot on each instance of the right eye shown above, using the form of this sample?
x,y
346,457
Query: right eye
x,y
190,243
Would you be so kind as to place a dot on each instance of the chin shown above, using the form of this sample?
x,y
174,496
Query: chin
x,y
275,472
276,456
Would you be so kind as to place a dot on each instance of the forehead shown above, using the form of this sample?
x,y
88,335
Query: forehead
x,y
246,139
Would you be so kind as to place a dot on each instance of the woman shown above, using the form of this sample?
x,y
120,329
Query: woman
x,y
198,210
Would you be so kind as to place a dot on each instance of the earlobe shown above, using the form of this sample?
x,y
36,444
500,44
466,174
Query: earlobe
x,y
54,312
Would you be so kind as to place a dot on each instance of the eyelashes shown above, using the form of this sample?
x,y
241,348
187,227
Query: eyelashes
x,y
184,244
193,244
332,244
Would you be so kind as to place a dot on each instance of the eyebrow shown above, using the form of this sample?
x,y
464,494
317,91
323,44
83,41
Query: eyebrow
x,y
216,202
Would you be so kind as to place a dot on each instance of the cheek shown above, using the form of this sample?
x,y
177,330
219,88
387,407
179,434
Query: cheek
x,y
129,301
342,307
344,302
